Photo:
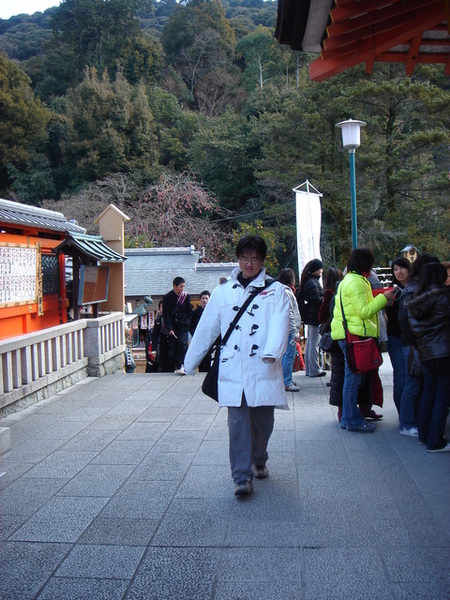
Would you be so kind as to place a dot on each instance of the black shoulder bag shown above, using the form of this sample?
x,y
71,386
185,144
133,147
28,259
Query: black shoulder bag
x,y
326,341
209,385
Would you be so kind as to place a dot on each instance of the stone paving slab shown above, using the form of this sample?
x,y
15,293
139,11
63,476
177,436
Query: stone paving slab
x,y
120,488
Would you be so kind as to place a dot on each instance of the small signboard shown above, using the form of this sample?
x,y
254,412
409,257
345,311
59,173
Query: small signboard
x,y
94,283
20,277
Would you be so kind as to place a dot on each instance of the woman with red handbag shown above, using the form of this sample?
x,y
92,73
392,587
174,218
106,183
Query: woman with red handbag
x,y
356,312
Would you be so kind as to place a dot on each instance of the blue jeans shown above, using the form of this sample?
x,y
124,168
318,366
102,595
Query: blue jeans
x,y
433,408
249,430
394,346
311,352
287,362
352,382
410,395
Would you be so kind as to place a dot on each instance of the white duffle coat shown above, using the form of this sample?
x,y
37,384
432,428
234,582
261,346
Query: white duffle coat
x,y
262,331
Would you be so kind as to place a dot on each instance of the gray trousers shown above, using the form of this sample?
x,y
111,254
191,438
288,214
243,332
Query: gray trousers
x,y
250,430
312,367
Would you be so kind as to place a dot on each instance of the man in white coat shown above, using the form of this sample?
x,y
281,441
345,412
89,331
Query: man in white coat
x,y
251,381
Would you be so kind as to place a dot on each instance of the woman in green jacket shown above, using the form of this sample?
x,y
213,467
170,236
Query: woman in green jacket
x,y
361,310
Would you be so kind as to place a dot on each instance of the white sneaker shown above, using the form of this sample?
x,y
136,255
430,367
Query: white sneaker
x,y
180,371
446,448
292,388
413,432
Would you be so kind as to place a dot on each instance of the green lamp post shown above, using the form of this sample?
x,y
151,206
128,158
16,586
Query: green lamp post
x,y
351,139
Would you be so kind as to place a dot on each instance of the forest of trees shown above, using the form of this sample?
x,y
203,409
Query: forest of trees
x,y
196,123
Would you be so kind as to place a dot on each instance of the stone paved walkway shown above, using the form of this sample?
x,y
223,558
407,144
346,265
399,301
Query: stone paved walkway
x,y
120,488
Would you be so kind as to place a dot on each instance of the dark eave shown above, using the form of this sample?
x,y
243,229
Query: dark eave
x,y
351,32
90,246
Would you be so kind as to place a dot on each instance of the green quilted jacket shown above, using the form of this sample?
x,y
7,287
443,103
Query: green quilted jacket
x,y
360,307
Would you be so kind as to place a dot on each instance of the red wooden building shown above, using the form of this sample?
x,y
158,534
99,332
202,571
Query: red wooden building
x,y
33,244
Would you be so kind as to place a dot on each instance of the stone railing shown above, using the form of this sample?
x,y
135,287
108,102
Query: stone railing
x,y
37,365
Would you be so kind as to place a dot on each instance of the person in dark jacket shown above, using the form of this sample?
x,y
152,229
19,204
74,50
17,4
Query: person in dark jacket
x,y
196,316
177,312
151,365
157,346
412,388
332,278
311,295
429,318
400,268
198,312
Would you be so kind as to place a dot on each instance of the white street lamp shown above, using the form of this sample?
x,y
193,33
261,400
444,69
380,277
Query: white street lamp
x,y
351,139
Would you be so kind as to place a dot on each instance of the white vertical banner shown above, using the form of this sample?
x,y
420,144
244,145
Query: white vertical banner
x,y
309,223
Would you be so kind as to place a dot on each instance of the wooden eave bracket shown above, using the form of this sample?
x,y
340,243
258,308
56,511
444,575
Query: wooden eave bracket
x,y
367,50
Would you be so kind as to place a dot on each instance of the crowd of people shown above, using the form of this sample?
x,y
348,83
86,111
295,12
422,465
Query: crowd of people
x,y
411,316
415,312
167,342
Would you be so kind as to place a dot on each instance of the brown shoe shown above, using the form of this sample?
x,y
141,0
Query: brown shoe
x,y
244,488
372,416
260,472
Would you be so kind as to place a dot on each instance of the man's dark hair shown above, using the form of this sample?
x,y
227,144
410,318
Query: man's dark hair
x,y
205,293
178,280
432,273
252,242
420,262
311,267
332,276
360,260
286,276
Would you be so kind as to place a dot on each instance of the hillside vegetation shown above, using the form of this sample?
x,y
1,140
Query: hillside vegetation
x,y
197,123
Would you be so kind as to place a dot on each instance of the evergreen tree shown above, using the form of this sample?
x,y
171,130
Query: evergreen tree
x,y
175,128
104,35
222,154
36,182
22,123
262,57
199,42
111,129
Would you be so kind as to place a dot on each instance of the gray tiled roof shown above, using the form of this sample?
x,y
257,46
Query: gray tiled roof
x,y
16,213
150,271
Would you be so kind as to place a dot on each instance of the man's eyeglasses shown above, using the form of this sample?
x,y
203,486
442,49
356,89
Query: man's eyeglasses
x,y
249,261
